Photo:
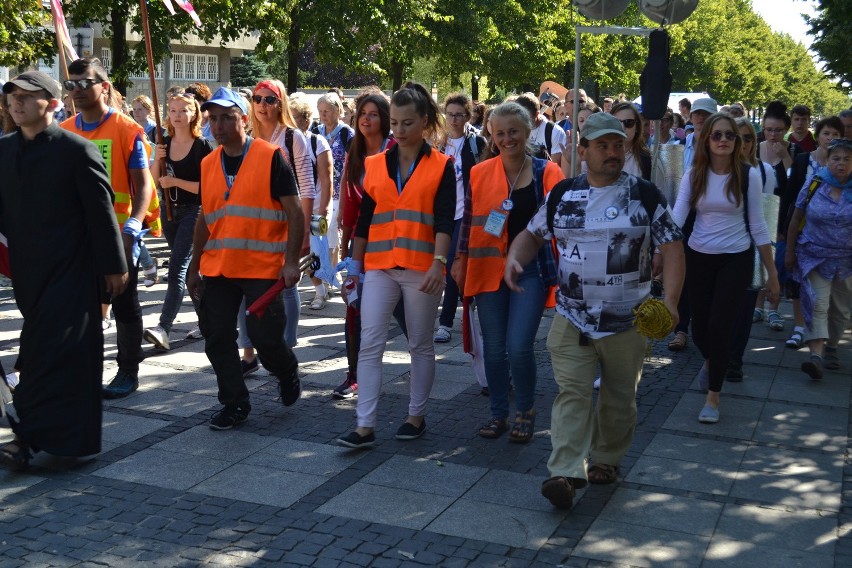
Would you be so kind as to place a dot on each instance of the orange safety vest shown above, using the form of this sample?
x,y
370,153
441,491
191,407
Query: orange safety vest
x,y
402,231
486,253
115,139
248,231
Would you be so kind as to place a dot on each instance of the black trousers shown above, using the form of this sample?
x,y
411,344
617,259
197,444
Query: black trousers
x,y
217,318
128,324
717,284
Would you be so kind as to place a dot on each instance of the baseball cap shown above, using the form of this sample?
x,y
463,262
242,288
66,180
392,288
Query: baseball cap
x,y
706,104
35,81
601,124
225,97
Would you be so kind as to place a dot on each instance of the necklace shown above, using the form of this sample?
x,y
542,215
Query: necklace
x,y
508,204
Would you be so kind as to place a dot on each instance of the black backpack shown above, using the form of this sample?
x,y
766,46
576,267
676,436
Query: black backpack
x,y
543,152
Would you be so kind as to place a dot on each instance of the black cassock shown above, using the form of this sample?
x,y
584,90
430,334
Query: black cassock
x,y
56,212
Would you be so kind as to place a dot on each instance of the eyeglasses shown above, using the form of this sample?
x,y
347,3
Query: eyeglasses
x,y
748,138
628,123
82,84
455,115
775,130
729,135
268,99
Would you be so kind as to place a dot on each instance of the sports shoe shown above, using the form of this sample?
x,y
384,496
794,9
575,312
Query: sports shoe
x,y
289,386
443,334
228,417
151,276
357,441
347,389
559,491
158,336
249,367
318,302
121,385
409,431
194,333
708,415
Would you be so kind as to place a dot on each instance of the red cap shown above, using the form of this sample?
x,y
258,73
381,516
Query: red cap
x,y
271,86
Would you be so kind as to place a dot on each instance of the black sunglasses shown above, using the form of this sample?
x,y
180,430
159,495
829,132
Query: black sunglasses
x,y
82,84
629,122
729,135
268,99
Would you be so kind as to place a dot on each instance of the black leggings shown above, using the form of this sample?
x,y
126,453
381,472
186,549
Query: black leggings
x,y
716,284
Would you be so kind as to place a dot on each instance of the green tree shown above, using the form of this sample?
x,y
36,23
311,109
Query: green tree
x,y
832,29
247,70
24,37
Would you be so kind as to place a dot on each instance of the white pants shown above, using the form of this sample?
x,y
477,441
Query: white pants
x,y
382,290
832,299
333,229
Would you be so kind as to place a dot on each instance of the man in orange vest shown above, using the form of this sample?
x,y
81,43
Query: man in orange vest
x,y
121,143
248,235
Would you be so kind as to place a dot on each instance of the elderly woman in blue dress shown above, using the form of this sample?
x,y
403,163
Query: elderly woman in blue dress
x,y
820,256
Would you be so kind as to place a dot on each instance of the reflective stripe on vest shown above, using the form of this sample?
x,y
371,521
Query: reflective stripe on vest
x,y
402,229
487,253
248,231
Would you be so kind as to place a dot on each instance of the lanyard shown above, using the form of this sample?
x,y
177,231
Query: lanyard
x,y
229,180
334,132
399,184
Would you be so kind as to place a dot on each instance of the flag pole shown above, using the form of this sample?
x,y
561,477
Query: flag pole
x,y
63,65
152,75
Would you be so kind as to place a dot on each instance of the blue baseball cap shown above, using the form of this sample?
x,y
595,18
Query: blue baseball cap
x,y
225,97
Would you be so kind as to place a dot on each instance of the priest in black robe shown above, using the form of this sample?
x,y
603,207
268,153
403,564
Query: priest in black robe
x,y
57,214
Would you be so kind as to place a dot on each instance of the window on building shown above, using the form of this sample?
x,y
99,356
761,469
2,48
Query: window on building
x,y
106,58
48,68
195,67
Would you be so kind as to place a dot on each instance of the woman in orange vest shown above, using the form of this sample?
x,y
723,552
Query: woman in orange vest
x,y
505,193
402,238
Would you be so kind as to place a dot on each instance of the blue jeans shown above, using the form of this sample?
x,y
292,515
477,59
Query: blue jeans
x,y
145,259
509,322
292,310
178,233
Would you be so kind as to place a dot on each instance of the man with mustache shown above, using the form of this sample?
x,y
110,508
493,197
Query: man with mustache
x,y
606,224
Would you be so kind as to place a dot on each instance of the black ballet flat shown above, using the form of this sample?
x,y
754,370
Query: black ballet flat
x,y
19,457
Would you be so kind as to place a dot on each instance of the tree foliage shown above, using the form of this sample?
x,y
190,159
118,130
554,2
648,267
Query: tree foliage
x,y
832,30
247,70
23,36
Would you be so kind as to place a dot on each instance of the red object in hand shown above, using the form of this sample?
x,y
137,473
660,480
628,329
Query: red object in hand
x,y
258,308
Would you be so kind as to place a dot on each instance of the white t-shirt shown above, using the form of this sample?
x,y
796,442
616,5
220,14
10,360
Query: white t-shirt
x,y
454,149
558,139
771,179
719,226
301,162
631,165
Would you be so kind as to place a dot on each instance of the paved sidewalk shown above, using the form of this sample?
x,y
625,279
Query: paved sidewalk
x,y
769,485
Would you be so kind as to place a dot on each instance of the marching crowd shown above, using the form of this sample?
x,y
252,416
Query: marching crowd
x,y
415,206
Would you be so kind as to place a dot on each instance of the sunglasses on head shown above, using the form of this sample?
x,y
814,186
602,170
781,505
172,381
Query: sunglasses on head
x,y
82,84
268,99
628,123
728,135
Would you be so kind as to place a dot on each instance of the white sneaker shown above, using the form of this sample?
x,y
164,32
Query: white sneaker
x,y
319,302
158,336
194,333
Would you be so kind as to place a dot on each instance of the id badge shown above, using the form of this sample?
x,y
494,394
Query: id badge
x,y
496,222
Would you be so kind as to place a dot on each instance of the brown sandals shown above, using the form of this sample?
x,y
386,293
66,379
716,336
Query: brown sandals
x,y
524,427
603,474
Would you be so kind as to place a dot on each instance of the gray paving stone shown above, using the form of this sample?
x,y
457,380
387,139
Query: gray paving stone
x,y
787,490
801,426
11,482
701,450
793,462
163,469
662,511
123,428
626,544
441,389
229,445
502,524
799,530
510,489
739,417
677,474
425,476
263,485
387,505
733,553
833,390
167,402
304,457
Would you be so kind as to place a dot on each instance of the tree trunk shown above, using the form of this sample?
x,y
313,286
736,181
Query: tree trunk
x,y
474,88
293,51
119,49
397,70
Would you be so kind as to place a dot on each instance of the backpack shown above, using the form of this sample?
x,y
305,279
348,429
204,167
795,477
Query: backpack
x,y
648,194
345,136
543,152
288,143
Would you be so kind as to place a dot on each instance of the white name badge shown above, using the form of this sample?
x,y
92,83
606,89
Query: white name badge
x,y
496,223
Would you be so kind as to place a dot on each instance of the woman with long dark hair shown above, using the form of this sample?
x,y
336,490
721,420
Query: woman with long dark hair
x,y
402,239
722,196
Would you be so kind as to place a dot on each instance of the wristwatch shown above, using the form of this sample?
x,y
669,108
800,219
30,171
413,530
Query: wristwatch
x,y
443,259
